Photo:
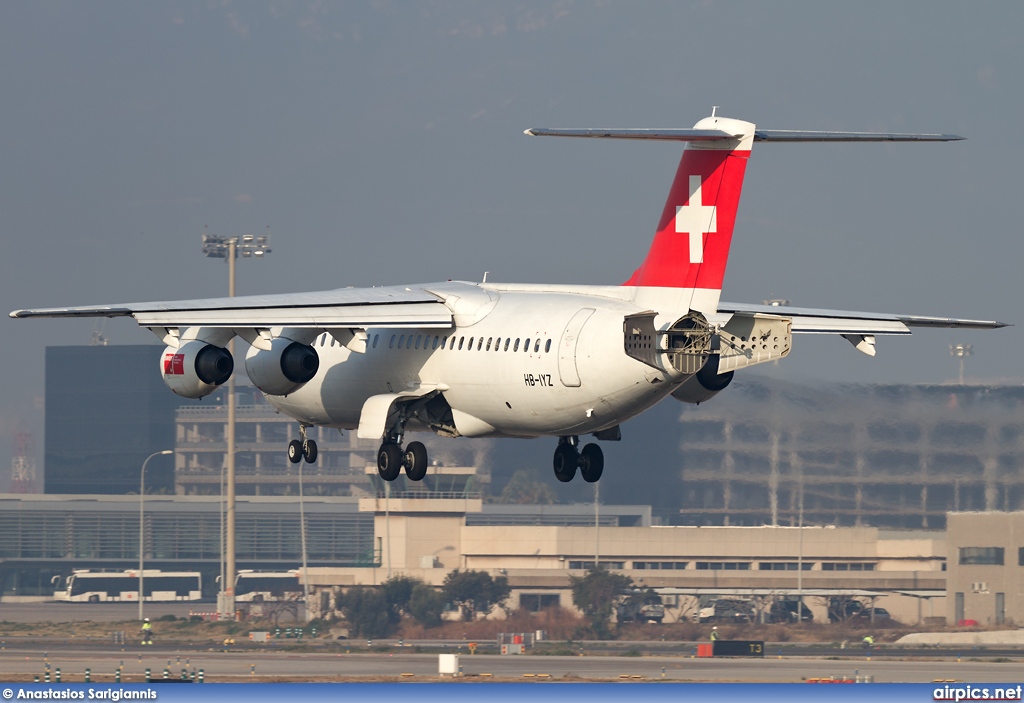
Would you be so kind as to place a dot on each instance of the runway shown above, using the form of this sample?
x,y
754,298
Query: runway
x,y
22,664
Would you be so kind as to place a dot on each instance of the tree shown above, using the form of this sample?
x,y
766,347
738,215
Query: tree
x,y
366,611
596,595
426,605
475,591
397,592
522,488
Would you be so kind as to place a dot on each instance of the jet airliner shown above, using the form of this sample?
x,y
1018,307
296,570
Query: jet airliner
x,y
465,359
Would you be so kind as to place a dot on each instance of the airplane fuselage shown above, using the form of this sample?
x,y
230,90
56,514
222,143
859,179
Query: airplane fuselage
x,y
516,363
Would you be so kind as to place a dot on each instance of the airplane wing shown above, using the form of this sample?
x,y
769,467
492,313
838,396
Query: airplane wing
x,y
822,321
858,328
390,306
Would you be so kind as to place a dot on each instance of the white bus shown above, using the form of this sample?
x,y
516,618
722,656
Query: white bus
x,y
84,586
267,586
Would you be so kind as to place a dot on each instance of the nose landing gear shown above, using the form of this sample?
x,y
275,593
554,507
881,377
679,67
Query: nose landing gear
x,y
589,460
299,449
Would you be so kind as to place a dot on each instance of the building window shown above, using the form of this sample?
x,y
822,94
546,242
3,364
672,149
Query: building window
x,y
723,566
846,566
975,556
589,564
783,566
660,565
536,602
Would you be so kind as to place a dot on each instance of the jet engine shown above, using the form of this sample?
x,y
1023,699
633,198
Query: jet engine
x,y
282,369
196,368
704,384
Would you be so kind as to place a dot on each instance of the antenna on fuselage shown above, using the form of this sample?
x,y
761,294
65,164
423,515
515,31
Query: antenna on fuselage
x,y
485,277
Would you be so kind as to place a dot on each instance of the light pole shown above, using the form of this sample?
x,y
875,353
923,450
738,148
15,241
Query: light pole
x,y
230,248
961,351
142,517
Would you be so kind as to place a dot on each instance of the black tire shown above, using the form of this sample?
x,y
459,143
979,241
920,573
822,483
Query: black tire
x,y
591,463
309,451
295,451
566,459
415,461
389,461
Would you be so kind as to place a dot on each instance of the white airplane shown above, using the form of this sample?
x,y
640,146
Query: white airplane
x,y
466,359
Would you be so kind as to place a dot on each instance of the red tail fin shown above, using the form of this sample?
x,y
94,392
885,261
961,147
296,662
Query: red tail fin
x,y
691,244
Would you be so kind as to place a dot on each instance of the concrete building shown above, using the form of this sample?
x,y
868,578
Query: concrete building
x,y
261,465
892,456
426,538
107,409
985,573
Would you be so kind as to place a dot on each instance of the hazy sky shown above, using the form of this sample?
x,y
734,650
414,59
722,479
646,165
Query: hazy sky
x,y
381,142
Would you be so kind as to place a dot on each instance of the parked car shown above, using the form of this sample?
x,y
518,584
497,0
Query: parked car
x,y
786,611
867,614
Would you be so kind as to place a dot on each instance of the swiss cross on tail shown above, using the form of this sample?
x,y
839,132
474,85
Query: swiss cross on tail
x,y
696,220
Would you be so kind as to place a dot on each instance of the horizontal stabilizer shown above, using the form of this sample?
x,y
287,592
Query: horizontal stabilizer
x,y
760,135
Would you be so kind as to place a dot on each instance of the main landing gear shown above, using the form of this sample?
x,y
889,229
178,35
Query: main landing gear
x,y
391,459
299,449
589,460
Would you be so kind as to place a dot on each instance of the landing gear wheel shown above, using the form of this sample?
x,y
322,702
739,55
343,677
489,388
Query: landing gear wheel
x,y
309,451
295,451
565,462
591,463
415,461
389,461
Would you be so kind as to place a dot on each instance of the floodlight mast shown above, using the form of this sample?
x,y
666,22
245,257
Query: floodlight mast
x,y
230,248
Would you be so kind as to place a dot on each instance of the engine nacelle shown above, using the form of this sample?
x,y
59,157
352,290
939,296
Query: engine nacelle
x,y
704,384
282,369
196,368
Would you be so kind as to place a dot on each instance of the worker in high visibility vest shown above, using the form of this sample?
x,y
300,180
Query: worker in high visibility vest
x,y
714,633
147,632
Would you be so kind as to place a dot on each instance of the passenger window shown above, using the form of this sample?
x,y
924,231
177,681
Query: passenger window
x,y
375,338
419,338
435,342
497,344
515,347
461,342
470,347
507,343
332,341
547,346
536,346
480,344
401,340
391,344
489,340
526,345
444,341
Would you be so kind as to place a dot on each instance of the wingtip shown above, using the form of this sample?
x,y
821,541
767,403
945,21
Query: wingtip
x,y
529,132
